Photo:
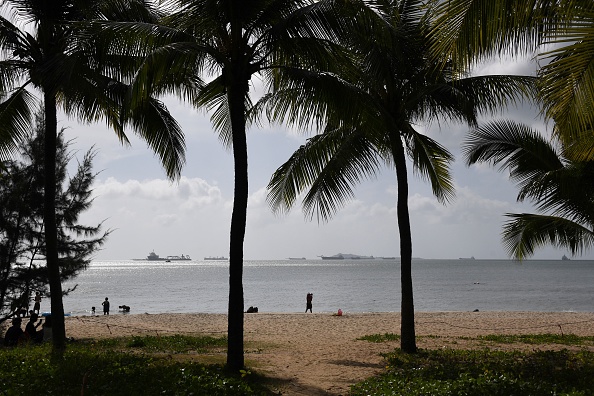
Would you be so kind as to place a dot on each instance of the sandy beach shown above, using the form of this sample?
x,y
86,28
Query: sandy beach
x,y
319,354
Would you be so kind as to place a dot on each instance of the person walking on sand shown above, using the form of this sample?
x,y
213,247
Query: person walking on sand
x,y
37,304
105,306
308,300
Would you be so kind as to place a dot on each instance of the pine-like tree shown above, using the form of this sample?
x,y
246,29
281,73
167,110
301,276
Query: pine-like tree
x,y
22,245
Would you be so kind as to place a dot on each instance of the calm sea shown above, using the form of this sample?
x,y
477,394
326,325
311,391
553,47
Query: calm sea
x,y
351,285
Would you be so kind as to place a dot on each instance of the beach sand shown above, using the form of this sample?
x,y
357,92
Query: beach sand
x,y
319,354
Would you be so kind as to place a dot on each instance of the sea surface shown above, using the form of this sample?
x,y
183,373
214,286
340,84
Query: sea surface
x,y
350,285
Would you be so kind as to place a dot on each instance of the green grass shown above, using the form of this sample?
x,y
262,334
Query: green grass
x,y
566,339
171,365
123,366
377,338
483,373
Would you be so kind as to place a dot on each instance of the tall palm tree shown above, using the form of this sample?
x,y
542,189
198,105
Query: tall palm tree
x,y
208,52
561,33
561,186
48,53
395,87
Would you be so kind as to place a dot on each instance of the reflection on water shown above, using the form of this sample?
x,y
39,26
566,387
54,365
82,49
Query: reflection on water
x,y
351,285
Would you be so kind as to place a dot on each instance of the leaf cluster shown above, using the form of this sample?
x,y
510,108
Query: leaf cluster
x,y
552,176
483,373
22,241
103,369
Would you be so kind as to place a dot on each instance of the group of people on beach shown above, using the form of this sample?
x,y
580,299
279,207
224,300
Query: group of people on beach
x,y
16,336
105,304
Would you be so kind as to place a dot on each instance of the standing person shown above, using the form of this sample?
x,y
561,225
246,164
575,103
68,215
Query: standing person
x,y
37,305
14,334
308,300
105,306
31,329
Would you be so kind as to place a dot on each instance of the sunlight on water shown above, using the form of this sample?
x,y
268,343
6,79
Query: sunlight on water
x,y
351,285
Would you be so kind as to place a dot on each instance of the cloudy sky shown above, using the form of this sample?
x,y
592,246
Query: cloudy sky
x,y
192,216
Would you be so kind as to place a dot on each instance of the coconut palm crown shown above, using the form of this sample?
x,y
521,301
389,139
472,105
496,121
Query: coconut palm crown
x,y
391,86
560,36
43,49
208,52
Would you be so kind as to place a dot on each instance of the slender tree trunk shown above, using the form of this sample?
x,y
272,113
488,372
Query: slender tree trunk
x,y
236,97
407,326
51,230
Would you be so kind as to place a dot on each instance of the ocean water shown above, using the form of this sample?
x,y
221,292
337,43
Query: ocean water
x,y
351,285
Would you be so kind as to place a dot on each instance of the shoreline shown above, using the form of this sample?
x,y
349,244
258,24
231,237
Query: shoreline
x,y
446,323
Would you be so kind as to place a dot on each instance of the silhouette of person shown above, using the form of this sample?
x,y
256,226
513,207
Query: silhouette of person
x,y
37,304
47,329
105,306
308,300
14,334
31,329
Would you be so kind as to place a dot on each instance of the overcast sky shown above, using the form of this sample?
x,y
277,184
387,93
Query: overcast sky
x,y
147,212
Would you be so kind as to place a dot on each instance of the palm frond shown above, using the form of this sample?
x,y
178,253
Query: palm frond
x,y
432,161
328,165
492,92
525,232
16,117
514,146
567,84
154,124
472,30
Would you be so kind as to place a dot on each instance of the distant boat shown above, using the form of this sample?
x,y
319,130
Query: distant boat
x,y
467,258
344,256
155,257
335,257
217,258
296,258
565,258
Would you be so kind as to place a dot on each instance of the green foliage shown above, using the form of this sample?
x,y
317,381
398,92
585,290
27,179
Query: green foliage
x,y
483,373
22,242
555,180
103,368
176,343
380,337
563,339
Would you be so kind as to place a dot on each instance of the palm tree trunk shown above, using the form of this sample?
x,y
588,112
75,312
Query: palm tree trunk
x,y
407,325
51,230
235,358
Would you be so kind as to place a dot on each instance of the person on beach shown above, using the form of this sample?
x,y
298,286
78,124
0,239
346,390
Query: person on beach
x,y
105,306
37,304
31,329
47,329
14,335
308,301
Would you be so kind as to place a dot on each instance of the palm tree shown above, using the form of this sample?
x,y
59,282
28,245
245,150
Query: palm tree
x,y
562,187
51,55
208,51
397,86
561,33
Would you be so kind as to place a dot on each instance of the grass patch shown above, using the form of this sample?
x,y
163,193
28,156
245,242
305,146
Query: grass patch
x,y
377,338
124,366
176,343
483,373
566,339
